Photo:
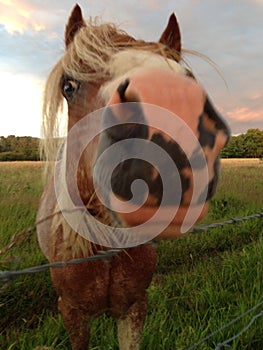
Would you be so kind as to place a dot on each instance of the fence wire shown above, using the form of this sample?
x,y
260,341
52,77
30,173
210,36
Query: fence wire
x,y
231,221
7,276
229,324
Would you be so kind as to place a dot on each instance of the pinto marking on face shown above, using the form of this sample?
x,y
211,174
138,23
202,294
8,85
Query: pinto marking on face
x,y
181,161
132,169
188,100
207,137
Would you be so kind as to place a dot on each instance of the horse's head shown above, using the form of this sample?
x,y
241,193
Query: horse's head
x,y
136,116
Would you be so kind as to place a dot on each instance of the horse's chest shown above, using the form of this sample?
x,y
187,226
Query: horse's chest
x,y
100,285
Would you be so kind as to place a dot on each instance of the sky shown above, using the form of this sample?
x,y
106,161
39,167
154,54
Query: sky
x,y
229,32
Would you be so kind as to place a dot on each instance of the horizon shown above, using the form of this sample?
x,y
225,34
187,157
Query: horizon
x,y
40,138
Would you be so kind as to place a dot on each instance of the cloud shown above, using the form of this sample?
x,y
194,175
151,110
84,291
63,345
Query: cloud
x,y
32,31
32,52
16,17
229,33
245,114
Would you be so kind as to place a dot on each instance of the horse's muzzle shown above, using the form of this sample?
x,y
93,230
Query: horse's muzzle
x,y
158,151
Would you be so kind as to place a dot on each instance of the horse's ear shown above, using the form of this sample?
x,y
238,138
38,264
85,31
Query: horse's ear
x,y
171,36
75,22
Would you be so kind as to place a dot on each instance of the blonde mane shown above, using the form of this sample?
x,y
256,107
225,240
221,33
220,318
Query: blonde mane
x,y
86,59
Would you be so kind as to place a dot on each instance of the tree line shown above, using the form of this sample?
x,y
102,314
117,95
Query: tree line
x,y
248,145
13,148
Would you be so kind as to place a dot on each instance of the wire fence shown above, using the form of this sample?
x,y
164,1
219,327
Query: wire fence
x,y
229,324
7,276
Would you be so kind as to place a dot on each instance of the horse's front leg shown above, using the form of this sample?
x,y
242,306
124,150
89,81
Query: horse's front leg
x,y
77,324
130,326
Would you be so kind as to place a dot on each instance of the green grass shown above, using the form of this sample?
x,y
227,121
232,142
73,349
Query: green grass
x,y
202,281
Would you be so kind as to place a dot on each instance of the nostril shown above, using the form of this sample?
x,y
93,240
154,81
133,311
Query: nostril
x,y
122,89
125,121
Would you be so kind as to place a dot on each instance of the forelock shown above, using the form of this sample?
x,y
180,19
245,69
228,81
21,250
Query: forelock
x,y
89,56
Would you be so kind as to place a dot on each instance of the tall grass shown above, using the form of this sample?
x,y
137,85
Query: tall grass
x,y
202,281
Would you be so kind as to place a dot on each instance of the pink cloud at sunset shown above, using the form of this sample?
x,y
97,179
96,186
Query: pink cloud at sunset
x,y
245,114
18,17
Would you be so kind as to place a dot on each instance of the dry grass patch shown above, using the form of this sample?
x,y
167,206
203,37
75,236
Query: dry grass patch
x,y
20,164
242,162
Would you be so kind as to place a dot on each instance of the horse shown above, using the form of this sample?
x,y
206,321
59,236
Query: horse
x,y
133,91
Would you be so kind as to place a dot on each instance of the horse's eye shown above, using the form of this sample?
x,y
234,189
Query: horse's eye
x,y
69,88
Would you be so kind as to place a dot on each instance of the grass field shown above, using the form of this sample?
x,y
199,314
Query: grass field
x,y
202,281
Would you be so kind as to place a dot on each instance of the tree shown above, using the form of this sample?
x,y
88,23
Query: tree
x,y
253,143
248,145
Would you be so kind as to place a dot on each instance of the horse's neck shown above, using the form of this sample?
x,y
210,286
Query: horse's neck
x,y
67,244
72,244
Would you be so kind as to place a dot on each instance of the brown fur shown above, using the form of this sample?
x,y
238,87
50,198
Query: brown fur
x,y
117,286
